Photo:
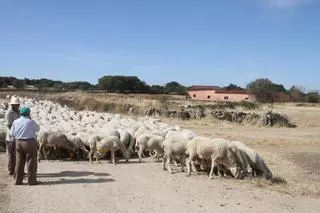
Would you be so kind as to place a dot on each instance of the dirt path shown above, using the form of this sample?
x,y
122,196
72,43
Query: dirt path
x,y
134,187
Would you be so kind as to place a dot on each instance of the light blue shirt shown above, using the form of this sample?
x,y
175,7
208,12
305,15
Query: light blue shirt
x,y
24,128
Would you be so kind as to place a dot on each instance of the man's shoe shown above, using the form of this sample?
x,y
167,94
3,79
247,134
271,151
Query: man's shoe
x,y
34,184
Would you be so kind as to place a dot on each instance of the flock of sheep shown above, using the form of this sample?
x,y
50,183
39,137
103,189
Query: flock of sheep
x,y
97,134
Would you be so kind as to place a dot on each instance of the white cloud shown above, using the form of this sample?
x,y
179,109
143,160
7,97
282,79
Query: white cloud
x,y
282,4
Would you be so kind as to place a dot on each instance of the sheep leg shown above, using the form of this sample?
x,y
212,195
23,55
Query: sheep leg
x,y
140,152
151,153
85,152
183,157
202,165
127,155
157,155
154,155
164,162
40,153
188,163
44,153
175,162
90,157
194,169
140,156
113,157
168,163
220,171
96,155
213,163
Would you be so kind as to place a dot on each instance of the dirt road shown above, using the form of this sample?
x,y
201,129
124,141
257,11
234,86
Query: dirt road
x,y
134,187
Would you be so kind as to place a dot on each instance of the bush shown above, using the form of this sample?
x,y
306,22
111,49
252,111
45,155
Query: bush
x,y
249,105
313,97
163,101
264,89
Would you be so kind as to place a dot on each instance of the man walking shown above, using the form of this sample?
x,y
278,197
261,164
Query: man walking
x,y
11,115
24,130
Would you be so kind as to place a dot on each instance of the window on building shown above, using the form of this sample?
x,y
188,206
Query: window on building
x,y
208,97
194,95
226,97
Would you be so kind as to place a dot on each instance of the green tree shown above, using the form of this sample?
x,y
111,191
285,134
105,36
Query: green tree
x,y
297,94
123,84
233,87
18,83
264,89
313,97
175,87
157,89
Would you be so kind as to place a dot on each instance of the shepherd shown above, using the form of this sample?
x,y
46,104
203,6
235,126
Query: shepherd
x,y
23,131
11,114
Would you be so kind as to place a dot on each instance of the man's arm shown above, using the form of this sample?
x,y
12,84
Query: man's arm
x,y
9,120
12,130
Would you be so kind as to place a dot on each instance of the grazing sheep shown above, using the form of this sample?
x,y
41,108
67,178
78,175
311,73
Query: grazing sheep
x,y
256,162
127,139
102,144
216,150
77,142
151,142
174,146
53,139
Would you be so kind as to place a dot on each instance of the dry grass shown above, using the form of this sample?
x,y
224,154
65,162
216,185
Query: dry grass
x,y
281,185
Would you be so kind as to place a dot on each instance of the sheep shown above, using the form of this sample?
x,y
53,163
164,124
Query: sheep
x,y
77,142
52,139
256,162
151,142
127,139
173,146
216,150
102,144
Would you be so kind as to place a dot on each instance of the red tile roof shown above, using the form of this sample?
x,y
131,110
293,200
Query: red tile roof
x,y
217,89
223,91
198,87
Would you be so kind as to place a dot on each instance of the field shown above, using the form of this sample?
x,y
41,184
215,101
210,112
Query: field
x,y
293,154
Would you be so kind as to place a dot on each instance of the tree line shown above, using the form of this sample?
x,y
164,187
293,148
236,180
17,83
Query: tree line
x,y
118,84
263,88
44,84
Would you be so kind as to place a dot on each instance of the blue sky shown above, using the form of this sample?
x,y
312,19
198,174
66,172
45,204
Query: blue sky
x,y
209,42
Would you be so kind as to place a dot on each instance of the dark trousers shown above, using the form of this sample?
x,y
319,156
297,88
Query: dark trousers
x,y
11,149
26,152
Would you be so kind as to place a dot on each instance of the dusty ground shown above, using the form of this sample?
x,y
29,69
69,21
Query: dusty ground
x,y
133,187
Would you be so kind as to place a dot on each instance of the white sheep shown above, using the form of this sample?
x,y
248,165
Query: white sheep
x,y
256,162
215,150
150,142
77,142
101,144
127,139
174,145
52,139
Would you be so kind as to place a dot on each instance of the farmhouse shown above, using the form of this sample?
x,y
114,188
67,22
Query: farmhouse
x,y
215,93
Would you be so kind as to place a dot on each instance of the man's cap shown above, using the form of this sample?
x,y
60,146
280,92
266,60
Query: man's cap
x,y
25,111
